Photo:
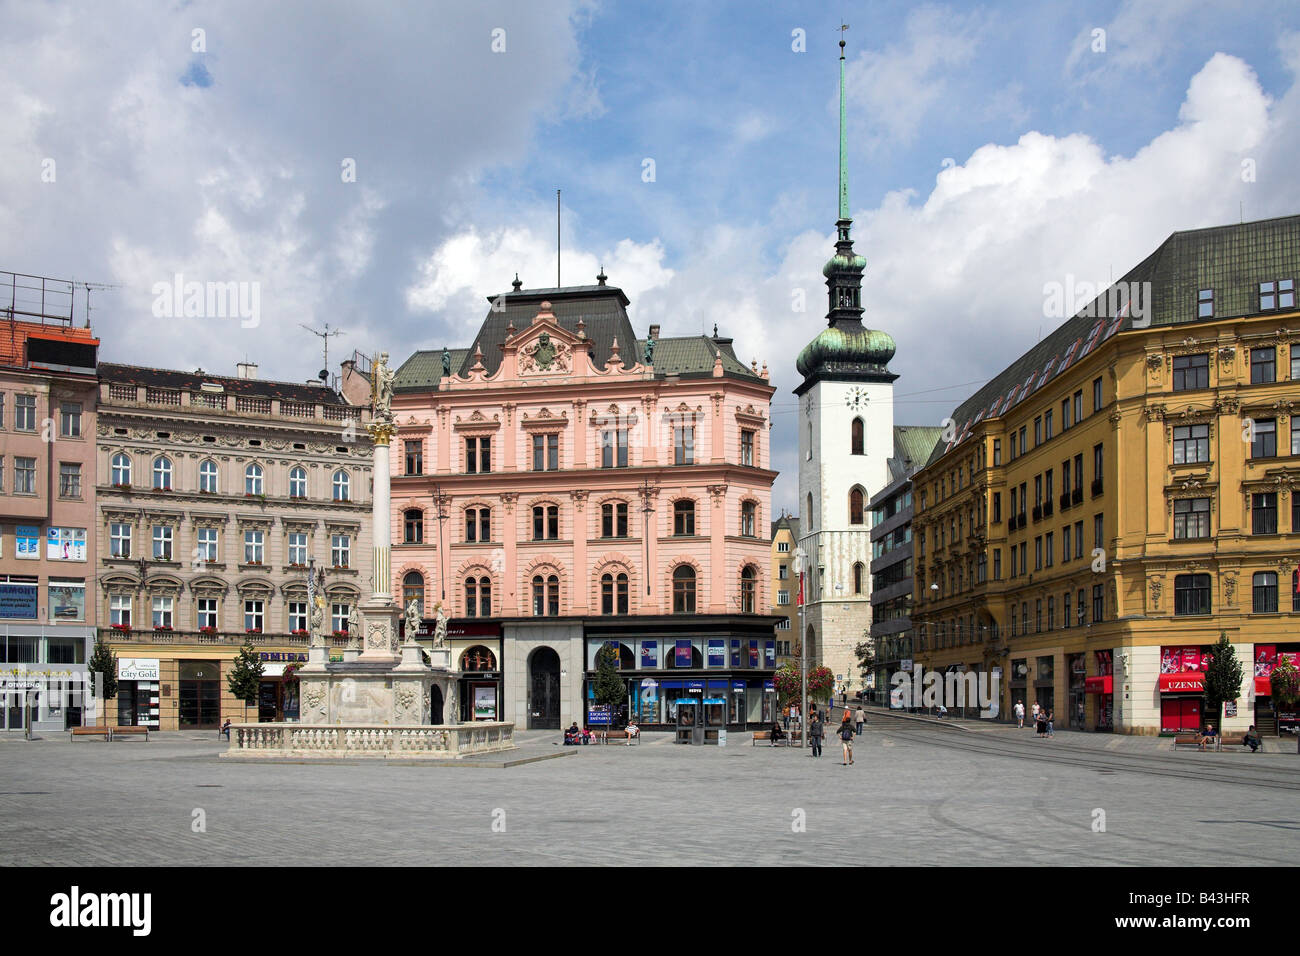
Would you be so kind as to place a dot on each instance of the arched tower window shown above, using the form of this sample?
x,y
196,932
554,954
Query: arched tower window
x,y
856,511
856,438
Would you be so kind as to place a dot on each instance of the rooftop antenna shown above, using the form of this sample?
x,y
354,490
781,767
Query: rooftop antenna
x,y
88,286
557,239
326,337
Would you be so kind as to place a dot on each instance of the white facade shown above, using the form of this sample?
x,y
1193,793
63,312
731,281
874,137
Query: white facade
x,y
837,616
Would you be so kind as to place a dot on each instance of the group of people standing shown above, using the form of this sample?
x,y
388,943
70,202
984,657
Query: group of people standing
x,y
851,724
1044,718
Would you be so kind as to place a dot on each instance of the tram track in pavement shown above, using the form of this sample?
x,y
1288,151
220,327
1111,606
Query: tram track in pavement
x,y
1163,765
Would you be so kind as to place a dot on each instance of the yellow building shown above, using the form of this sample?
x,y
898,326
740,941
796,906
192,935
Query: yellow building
x,y
1122,493
783,601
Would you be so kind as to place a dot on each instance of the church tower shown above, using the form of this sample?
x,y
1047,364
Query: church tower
x,y
846,437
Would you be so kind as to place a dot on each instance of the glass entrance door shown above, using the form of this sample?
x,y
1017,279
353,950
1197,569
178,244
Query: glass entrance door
x,y
544,690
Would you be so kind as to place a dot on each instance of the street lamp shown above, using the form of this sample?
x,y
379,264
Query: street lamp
x,y
800,563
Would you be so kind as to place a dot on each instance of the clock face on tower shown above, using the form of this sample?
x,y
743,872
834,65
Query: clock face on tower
x,y
856,398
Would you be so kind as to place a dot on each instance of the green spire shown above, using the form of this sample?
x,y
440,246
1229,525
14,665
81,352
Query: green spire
x,y
844,166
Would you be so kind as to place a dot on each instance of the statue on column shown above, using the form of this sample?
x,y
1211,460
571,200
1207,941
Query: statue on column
x,y
412,620
440,628
383,378
317,623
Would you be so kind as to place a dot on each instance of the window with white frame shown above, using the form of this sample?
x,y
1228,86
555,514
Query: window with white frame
x,y
253,480
119,539
342,486
121,470
339,611
254,614
162,610
69,419
298,483
297,548
162,473
340,550
162,542
207,612
297,616
254,546
25,413
207,544
119,610
208,477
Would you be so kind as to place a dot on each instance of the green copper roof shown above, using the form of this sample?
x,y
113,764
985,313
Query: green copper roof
x,y
841,349
839,263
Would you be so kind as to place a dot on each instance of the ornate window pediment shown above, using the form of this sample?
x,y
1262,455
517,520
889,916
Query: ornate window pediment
x,y
749,415
477,423
544,420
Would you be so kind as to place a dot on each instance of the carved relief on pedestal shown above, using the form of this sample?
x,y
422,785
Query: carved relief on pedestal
x,y
1155,585
376,634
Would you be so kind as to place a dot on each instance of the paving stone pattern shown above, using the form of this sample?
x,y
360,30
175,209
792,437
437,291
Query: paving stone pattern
x,y
908,799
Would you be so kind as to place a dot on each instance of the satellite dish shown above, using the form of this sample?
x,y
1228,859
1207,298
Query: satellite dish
x,y
323,375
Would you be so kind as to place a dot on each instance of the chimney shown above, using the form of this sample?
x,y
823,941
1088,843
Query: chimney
x,y
246,370
654,332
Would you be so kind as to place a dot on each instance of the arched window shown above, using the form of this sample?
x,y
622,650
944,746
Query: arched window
x,y
412,526
208,477
478,597
684,518
613,594
253,484
121,470
748,582
162,473
342,486
413,590
857,577
684,589
856,515
748,518
546,596
856,437
298,482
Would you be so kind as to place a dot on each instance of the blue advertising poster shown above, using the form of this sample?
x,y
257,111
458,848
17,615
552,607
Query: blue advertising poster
x,y
18,601
649,701
769,653
27,542
599,715
753,653
717,653
683,655
649,653
735,652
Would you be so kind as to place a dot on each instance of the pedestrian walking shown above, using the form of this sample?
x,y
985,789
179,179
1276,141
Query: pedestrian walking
x,y
815,734
785,716
1020,714
1037,711
846,738
862,719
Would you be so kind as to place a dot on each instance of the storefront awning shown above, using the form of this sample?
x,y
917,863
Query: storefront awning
x,y
1263,686
1099,685
1190,683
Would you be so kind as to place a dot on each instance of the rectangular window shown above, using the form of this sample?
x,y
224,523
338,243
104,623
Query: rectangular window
x,y
478,455
254,614
1098,604
1096,394
997,451
997,507
340,550
207,544
1295,440
207,611
1191,518
1192,594
1295,364
1098,528
1264,588
69,419
254,546
1191,372
613,448
119,610
1078,539
67,599
1078,405
1191,443
1078,476
1049,547
1096,469
1065,544
339,616
546,453
782,597
1024,439
1263,513
997,564
1038,553
298,548
24,476
119,537
1047,425
1263,365
1065,414
1205,304
1278,294
1065,610
1013,560
1264,442
69,479
1038,431
415,457
747,447
783,547
162,612
25,413
1012,436
297,616
162,543
684,445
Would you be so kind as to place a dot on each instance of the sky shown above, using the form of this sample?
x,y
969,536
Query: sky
x,y
386,167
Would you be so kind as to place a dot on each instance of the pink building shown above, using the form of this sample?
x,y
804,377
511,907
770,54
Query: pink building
x,y
562,484
47,500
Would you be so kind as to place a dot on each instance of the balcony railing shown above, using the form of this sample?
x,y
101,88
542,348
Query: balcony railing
x,y
220,638
1076,496
1096,487
161,396
256,406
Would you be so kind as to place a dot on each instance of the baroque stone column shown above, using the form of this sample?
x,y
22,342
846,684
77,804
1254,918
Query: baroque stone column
x,y
379,613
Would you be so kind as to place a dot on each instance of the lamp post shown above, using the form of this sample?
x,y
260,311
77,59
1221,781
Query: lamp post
x,y
800,562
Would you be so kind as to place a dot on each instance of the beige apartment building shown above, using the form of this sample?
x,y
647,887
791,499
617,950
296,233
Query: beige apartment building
x,y
216,496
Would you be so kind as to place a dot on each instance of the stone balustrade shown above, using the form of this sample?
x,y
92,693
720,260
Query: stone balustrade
x,y
442,741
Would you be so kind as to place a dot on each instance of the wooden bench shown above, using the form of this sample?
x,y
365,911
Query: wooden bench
x,y
1188,740
1232,740
767,735
609,735
131,732
105,732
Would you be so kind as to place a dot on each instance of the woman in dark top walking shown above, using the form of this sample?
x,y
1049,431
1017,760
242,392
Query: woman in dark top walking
x,y
815,734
